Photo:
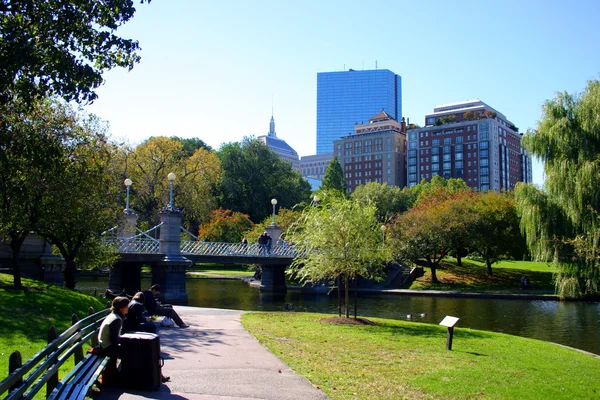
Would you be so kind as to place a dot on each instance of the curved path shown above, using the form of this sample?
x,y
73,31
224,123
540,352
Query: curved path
x,y
216,358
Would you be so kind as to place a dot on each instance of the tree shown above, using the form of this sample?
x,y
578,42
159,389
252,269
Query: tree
x,y
62,47
560,221
83,200
438,189
334,177
197,176
343,240
495,232
421,233
253,175
285,219
31,145
225,226
388,200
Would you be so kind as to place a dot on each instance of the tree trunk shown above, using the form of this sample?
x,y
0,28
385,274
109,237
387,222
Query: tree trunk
x,y
347,295
70,269
15,245
489,267
434,278
355,295
339,284
459,257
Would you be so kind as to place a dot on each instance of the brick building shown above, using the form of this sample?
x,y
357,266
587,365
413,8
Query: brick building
x,y
468,140
374,153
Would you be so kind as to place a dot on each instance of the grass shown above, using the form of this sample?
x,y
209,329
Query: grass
x,y
213,271
27,314
406,360
472,276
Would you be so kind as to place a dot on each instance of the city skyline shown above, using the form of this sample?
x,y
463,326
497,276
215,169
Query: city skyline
x,y
211,72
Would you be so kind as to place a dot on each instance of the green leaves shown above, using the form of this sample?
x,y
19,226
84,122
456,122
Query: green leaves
x,y
561,221
62,47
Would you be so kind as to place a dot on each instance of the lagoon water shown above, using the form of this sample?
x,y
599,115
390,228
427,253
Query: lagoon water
x,y
575,324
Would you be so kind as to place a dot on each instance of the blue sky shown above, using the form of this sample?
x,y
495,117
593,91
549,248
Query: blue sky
x,y
210,69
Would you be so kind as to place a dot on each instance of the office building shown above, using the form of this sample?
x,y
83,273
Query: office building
x,y
280,147
314,166
347,98
375,152
468,140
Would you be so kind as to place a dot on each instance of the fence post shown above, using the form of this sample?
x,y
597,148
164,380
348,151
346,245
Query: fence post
x,y
78,354
53,380
14,363
94,339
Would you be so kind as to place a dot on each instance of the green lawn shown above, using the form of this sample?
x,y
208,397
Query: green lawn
x,y
26,315
212,270
472,276
407,360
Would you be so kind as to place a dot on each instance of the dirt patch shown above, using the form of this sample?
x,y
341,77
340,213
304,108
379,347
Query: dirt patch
x,y
346,321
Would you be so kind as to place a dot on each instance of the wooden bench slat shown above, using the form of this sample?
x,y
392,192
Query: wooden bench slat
x,y
9,381
55,360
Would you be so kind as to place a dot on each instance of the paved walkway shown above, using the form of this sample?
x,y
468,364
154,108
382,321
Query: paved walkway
x,y
216,358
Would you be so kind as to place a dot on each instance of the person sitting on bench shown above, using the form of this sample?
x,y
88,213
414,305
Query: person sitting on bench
x,y
155,308
137,319
109,337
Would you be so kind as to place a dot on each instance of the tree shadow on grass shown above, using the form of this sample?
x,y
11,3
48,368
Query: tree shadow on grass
x,y
425,330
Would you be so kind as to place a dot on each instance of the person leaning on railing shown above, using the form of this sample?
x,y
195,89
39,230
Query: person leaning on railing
x,y
154,307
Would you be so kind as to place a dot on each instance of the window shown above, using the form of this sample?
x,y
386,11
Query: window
x,y
412,160
412,153
483,145
435,150
447,149
458,164
430,121
485,179
459,139
484,171
411,145
483,136
435,158
484,162
458,147
435,142
447,165
434,174
483,153
447,140
435,167
485,187
412,168
447,157
458,156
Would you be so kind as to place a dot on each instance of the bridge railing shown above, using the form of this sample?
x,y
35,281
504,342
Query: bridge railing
x,y
201,248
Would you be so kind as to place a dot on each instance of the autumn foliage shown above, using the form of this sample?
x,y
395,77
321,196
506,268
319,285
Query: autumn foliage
x,y
225,226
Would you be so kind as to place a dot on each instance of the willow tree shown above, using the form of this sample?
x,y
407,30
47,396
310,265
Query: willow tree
x,y
560,220
341,240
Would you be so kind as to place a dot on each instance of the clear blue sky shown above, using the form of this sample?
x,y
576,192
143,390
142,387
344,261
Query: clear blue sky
x,y
210,69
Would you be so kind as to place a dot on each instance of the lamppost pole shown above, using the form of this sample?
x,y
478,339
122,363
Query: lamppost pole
x,y
274,203
171,178
128,183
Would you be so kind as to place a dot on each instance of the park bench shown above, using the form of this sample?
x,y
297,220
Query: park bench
x,y
26,380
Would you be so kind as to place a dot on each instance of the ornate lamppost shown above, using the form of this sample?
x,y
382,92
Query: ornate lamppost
x,y
274,203
128,182
171,177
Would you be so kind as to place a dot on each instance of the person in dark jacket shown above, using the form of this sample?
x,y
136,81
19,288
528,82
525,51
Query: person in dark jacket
x,y
155,308
109,336
137,319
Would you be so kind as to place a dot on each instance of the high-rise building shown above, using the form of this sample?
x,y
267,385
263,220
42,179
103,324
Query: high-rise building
x,y
468,140
280,147
347,98
374,153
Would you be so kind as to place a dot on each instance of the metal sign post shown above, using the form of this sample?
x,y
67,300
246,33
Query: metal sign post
x,y
449,322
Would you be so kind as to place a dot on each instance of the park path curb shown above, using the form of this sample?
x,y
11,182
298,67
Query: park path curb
x,y
216,358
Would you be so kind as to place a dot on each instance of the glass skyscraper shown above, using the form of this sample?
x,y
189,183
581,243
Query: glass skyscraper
x,y
351,97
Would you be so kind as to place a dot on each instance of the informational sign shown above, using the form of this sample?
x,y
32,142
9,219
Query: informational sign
x,y
449,321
